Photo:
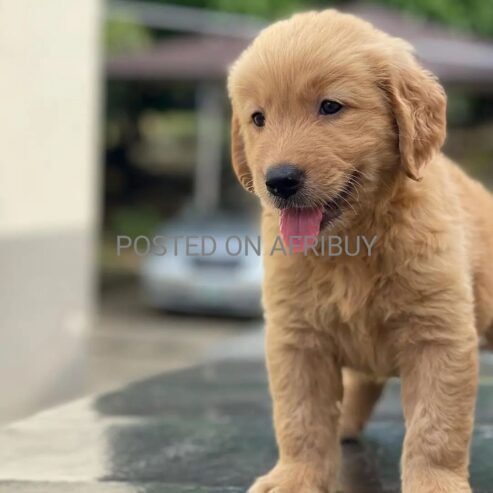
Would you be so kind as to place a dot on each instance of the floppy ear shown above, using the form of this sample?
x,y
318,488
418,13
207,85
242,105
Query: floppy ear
x,y
238,157
419,107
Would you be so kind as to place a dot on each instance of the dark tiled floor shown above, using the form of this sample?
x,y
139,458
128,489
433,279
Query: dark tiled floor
x,y
205,430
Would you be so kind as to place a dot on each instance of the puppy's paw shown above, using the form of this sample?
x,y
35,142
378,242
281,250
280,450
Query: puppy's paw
x,y
349,433
350,427
293,478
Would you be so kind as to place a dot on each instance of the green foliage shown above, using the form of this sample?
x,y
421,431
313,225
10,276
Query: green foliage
x,y
471,15
268,9
134,221
123,35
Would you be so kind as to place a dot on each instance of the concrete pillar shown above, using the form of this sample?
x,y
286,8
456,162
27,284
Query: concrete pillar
x,y
49,100
210,128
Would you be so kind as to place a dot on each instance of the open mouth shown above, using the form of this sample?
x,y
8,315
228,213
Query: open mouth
x,y
300,226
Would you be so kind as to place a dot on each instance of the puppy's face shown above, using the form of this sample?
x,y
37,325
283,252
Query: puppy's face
x,y
324,106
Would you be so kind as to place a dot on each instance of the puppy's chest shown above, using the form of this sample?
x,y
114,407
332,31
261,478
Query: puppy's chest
x,y
345,292
347,304
352,317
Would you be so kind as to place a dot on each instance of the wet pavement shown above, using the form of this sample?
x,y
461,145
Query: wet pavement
x,y
202,430
127,342
131,341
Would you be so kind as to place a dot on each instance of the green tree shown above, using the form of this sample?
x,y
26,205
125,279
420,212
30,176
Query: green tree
x,y
469,15
268,9
123,35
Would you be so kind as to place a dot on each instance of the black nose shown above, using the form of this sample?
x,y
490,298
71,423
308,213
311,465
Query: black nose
x,y
284,180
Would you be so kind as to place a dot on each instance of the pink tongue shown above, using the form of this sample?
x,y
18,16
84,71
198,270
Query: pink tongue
x,y
300,222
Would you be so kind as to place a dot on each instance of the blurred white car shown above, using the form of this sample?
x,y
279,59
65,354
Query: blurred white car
x,y
189,278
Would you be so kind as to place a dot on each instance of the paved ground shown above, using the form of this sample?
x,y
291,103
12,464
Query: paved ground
x,y
202,430
131,341
128,343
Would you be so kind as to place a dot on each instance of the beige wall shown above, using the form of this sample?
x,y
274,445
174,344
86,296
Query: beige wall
x,y
48,91
49,100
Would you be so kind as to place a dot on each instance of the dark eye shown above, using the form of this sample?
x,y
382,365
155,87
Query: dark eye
x,y
258,119
328,107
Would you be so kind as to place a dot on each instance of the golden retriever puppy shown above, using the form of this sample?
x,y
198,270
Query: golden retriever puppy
x,y
337,129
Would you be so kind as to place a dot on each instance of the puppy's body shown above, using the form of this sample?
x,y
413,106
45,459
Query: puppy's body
x,y
413,308
431,235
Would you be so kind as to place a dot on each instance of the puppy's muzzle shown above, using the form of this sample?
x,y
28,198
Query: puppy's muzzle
x,y
284,180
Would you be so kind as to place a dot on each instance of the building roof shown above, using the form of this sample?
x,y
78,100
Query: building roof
x,y
180,58
455,57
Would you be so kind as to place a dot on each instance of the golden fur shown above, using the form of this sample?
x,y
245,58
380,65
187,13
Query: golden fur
x,y
412,309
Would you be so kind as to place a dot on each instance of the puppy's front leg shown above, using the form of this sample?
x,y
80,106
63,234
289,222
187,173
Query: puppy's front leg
x,y
439,380
306,389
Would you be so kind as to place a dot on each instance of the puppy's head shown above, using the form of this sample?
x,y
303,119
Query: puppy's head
x,y
324,106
